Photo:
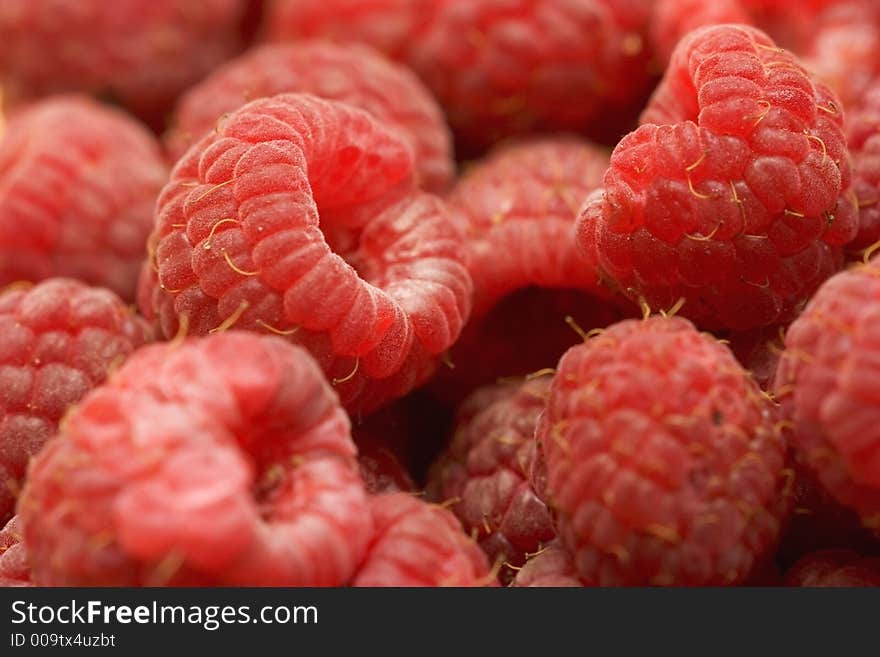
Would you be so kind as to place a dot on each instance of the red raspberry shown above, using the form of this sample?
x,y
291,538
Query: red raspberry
x,y
142,53
60,339
835,568
391,26
503,67
518,208
484,475
551,567
65,210
276,223
863,128
743,213
661,458
673,19
419,544
225,460
829,383
14,568
353,74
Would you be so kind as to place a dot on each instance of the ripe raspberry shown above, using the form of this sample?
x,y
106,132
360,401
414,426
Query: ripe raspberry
x,y
14,568
142,53
818,522
391,26
296,218
835,568
673,19
829,384
353,74
504,67
65,210
224,460
60,339
518,208
551,567
484,475
742,213
864,143
661,458
419,544
841,45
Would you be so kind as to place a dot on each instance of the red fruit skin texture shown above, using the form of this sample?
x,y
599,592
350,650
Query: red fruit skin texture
x,y
354,74
829,385
673,19
758,351
863,131
552,567
298,217
61,338
224,460
835,569
662,462
417,544
483,477
518,207
141,53
734,194
14,568
507,67
390,26
65,210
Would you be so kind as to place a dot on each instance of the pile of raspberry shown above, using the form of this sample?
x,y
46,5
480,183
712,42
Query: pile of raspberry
x,y
421,293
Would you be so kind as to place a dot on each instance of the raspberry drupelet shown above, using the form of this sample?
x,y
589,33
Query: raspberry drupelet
x,y
65,208
224,460
141,53
734,193
14,568
484,474
835,568
298,217
419,544
662,461
828,382
61,338
355,74
551,567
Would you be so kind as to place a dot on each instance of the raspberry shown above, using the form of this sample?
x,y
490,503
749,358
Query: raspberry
x,y
661,458
864,144
391,26
65,210
224,460
484,475
743,213
518,208
504,67
353,74
551,567
673,19
142,53
295,218
60,340
14,568
418,544
835,568
829,384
